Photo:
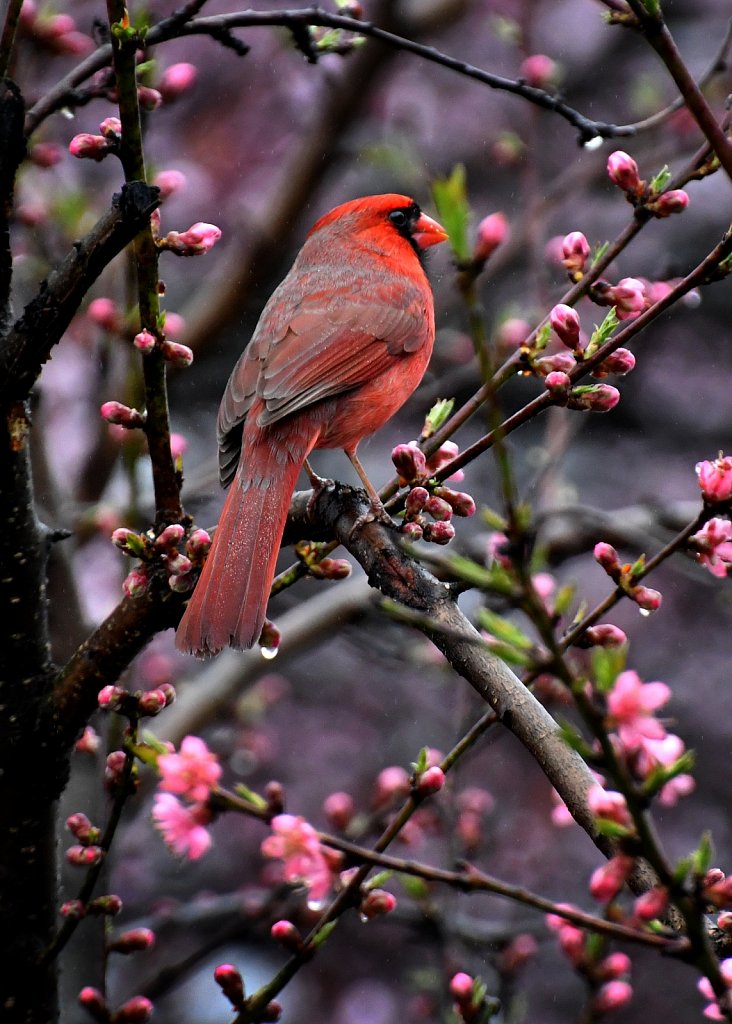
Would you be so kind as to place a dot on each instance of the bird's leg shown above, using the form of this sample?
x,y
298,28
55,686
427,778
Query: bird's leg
x,y
318,484
377,510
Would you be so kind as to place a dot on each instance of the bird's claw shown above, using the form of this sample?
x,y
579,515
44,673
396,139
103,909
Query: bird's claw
x,y
376,514
318,484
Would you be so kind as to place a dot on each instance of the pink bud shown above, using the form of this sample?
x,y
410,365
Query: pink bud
x,y
178,445
575,250
416,499
674,201
272,1012
105,313
431,781
647,599
557,383
608,804
111,698
176,80
114,768
136,583
122,415
89,147
409,462
107,906
111,128
132,941
607,556
84,856
461,503
137,1010
145,341
169,182
339,809
149,99
170,537
46,154
651,904
445,454
492,232
230,980
181,583
461,987
559,362
83,830
152,703
412,531
611,996
88,742
198,239
174,325
623,171
179,564
270,637
614,965
565,323
715,478
179,355
376,903
198,544
607,881
512,333
438,533
621,361
93,1001
287,935
594,398
438,508
391,783
73,909
126,540
605,634
332,568
724,921
538,70
628,296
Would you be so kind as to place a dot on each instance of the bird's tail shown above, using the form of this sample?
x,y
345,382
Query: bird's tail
x,y
228,605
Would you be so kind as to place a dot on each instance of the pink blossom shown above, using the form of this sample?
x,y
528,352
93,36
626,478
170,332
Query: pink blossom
x,y
608,804
192,772
431,781
575,250
178,445
621,362
183,828
493,230
198,239
714,546
461,986
558,362
296,842
145,341
593,398
631,704
715,478
628,296
607,880
176,80
623,172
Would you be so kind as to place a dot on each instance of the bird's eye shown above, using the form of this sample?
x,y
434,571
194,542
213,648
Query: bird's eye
x,y
398,218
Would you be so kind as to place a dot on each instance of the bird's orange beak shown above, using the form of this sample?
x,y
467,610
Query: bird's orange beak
x,y
428,232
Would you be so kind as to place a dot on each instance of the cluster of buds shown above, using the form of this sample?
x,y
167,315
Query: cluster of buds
x,y
231,983
137,1010
471,1002
87,852
96,147
716,889
648,600
609,974
628,297
623,172
145,704
435,500
322,568
713,546
197,240
180,565
102,906
55,32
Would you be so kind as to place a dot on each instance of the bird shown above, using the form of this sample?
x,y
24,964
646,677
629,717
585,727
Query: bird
x,y
340,345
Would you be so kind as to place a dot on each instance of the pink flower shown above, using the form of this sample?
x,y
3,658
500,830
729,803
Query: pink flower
x,y
607,880
296,843
715,478
183,828
493,230
192,772
623,172
714,546
198,239
631,704
575,250
608,804
713,1011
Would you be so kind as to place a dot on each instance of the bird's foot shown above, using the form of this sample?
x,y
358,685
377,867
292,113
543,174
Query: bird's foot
x,y
376,514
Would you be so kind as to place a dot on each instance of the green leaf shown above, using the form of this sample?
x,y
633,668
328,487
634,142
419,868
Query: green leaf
x,y
543,337
612,829
702,856
494,519
573,739
603,332
420,765
662,774
660,180
600,249
564,598
493,579
509,654
416,888
607,664
250,796
438,414
379,879
451,200
682,869
504,630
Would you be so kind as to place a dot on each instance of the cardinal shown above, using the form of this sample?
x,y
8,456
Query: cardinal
x,y
340,346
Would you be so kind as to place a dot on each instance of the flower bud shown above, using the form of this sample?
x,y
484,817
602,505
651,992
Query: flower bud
x,y
651,904
270,637
605,634
94,1003
461,503
565,323
461,987
105,313
198,239
179,564
512,333
287,935
170,537
198,544
175,324
445,454
647,599
609,879
169,182
438,508
628,296
611,996
73,909
121,415
46,154
89,147
88,742
332,568
608,804
107,906
181,583
272,1012
136,583
671,202
111,128
607,556
137,1010
594,398
339,809
559,362
111,698
177,354
575,250
82,829
416,499
409,462
230,980
492,231
623,171
84,856
621,361
614,965
539,70
558,384
438,533
412,531
149,99
376,903
715,479
133,941
176,80
152,703
391,784
430,781
145,341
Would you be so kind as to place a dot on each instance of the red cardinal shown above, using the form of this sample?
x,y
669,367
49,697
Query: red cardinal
x,y
340,346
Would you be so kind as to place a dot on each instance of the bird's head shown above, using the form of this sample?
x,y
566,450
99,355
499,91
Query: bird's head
x,y
386,218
